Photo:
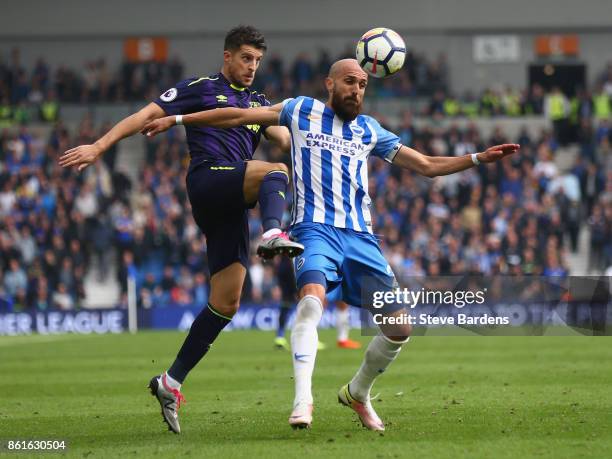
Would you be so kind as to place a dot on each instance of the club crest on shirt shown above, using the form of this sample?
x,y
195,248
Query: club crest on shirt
x,y
169,95
357,130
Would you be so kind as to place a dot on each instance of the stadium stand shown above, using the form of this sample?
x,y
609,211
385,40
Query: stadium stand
x,y
527,215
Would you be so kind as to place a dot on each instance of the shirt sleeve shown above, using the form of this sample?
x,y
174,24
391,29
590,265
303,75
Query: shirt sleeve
x,y
186,97
285,114
387,143
263,100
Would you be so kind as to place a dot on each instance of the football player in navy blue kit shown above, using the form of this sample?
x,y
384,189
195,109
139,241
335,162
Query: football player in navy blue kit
x,y
223,182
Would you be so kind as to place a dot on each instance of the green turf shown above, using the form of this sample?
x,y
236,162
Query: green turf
x,y
444,397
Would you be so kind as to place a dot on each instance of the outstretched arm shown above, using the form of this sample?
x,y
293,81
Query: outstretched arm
x,y
82,156
219,117
433,166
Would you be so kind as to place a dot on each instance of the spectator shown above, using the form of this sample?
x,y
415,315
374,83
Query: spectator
x,y
102,246
40,301
66,276
553,268
512,183
61,299
168,282
200,289
270,290
600,235
545,168
592,184
26,245
465,223
15,278
126,271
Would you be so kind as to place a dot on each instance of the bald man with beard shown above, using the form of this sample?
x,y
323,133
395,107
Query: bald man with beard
x,y
330,145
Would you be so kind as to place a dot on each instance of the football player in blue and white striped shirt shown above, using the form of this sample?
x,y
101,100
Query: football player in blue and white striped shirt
x,y
330,145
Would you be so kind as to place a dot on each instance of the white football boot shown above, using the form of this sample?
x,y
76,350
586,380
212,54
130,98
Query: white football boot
x,y
169,399
279,244
301,416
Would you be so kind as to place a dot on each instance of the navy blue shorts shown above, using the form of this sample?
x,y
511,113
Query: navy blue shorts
x,y
218,207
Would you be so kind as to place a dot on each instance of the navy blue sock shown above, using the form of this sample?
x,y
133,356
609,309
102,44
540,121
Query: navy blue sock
x,y
282,321
204,330
272,199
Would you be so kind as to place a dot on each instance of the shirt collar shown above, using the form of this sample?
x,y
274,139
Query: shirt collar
x,y
232,85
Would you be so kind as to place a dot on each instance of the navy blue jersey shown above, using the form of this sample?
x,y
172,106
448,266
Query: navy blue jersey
x,y
205,93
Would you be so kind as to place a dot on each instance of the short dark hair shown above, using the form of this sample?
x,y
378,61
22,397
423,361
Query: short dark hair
x,y
244,35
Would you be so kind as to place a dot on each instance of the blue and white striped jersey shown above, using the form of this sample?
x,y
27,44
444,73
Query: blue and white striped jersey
x,y
330,171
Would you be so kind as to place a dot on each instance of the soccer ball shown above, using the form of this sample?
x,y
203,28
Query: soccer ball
x,y
381,52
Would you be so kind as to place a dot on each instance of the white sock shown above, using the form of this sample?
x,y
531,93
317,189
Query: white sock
x,y
271,232
304,341
173,383
342,324
380,353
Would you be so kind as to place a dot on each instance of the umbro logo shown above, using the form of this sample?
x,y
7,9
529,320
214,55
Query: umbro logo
x,y
222,99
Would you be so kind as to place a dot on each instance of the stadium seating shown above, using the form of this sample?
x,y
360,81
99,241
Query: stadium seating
x,y
58,228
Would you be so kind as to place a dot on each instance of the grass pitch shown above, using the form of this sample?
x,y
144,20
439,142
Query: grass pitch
x,y
444,397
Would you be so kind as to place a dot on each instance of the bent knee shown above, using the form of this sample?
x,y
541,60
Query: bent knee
x,y
398,333
399,339
309,308
315,290
228,307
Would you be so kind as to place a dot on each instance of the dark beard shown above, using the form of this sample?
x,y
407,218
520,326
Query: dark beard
x,y
346,112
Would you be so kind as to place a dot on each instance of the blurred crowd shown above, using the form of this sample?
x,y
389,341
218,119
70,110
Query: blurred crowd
x,y
420,76
97,82
45,87
52,221
517,216
94,82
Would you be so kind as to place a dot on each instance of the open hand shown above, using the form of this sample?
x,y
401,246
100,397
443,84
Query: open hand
x,y
80,157
158,126
497,152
